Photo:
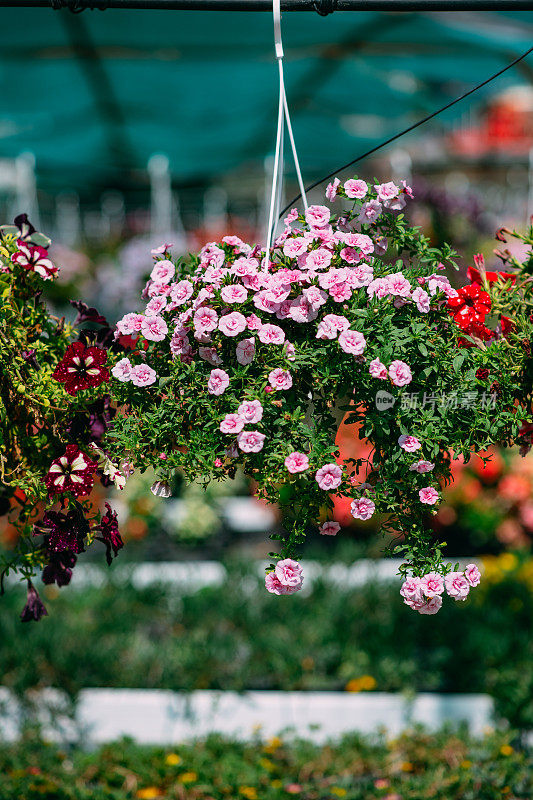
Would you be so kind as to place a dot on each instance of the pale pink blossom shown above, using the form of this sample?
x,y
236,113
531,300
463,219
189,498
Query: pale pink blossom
x,y
154,328
400,373
412,592
122,370
370,212
297,462
326,330
432,584
295,247
163,272
399,286
205,320
457,585
291,216
356,188
245,266
232,423
180,292
278,292
250,411
234,293
318,259
352,342
329,477
218,382
377,369
340,292
317,216
409,443
422,466
421,298
262,302
143,375
289,572
386,191
301,310
331,190
363,508
180,345
275,587
329,528
155,306
280,379
211,355
472,575
350,255
378,287
130,323
161,249
253,322
271,334
428,495
251,441
245,351
338,321
232,324
315,296
431,606
361,241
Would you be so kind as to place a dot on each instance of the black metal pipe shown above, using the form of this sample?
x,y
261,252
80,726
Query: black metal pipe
x,y
286,5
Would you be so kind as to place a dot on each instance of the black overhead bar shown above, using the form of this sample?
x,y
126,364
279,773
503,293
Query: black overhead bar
x,y
323,7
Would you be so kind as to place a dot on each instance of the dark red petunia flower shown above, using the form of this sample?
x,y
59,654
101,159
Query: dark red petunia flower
x,y
110,534
73,472
34,258
59,568
82,367
482,373
469,307
34,608
474,275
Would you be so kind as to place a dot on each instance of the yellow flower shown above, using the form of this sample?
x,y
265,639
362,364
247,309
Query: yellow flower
x,y
407,766
466,764
338,791
272,745
266,763
276,783
250,792
506,750
363,684
173,759
150,793
507,562
187,777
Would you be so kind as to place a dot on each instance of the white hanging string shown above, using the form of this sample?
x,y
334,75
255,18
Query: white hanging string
x,y
283,116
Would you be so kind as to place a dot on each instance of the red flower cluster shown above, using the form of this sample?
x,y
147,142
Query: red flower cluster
x,y
35,259
73,472
82,367
469,309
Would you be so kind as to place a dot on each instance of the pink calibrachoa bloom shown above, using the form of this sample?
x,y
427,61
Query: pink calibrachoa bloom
x,y
232,324
363,508
295,247
289,572
428,495
251,441
154,328
400,373
180,292
331,190
386,191
245,351
399,286
409,443
280,379
271,334
329,477
130,323
317,216
329,528
232,423
318,259
143,375
412,592
156,306
421,298
457,585
234,293
297,462
253,322
370,212
422,466
472,575
250,411
431,606
122,370
163,272
356,188
274,586
205,320
377,369
352,342
218,381
209,354
71,472
432,584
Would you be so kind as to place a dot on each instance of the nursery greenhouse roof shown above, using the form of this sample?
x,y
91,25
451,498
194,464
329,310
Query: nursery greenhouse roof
x,y
94,95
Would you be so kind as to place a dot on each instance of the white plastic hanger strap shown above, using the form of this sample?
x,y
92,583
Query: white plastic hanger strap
x,y
283,116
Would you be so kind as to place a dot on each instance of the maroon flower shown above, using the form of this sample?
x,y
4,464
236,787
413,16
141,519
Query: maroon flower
x,y
63,531
34,258
482,374
34,608
59,570
72,472
81,368
110,533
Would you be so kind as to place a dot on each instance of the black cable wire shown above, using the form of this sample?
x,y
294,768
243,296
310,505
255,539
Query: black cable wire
x,y
407,130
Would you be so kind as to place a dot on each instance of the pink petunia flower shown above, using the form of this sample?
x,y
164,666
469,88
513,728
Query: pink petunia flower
x,y
234,294
232,423
457,585
400,373
363,508
422,466
250,411
352,342
399,286
253,322
154,328
428,495
421,298
156,306
122,370
289,572
318,259
295,247
409,443
280,379
412,592
275,587
431,606
329,528
251,441
163,272
386,191
317,216
232,324
143,375
218,382
432,584
271,334
377,369
205,320
331,190
180,292
329,477
356,189
130,323
245,351
472,575
297,462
